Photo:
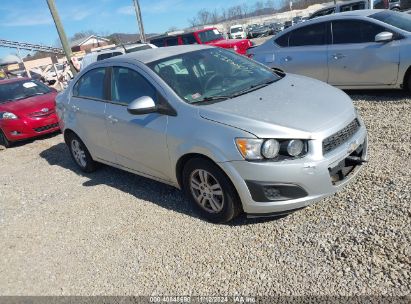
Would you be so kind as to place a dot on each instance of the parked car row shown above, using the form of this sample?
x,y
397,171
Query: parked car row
x,y
208,36
359,49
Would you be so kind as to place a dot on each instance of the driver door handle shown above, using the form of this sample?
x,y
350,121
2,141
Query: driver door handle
x,y
112,119
338,56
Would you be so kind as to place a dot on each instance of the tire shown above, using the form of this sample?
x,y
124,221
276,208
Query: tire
x,y
80,154
4,141
210,190
408,82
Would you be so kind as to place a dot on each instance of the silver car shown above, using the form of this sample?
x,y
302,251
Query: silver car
x,y
233,134
366,49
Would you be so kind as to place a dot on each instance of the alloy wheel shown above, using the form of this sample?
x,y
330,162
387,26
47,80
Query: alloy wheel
x,y
207,191
78,153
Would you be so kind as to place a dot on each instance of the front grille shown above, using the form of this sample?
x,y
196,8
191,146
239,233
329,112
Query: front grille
x,y
337,139
48,127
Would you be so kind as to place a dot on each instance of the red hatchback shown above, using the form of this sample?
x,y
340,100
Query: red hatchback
x,y
27,109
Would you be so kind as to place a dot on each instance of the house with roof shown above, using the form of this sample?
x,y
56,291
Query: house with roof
x,y
88,43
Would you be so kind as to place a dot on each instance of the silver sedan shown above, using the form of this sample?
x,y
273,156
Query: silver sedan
x,y
233,134
365,49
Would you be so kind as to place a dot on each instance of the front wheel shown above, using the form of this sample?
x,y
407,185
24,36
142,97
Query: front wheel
x,y
4,141
211,191
80,154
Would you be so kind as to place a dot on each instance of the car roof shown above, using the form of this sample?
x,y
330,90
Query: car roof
x,y
151,55
343,15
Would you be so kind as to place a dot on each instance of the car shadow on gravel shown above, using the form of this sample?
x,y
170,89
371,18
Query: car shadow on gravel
x,y
140,187
379,95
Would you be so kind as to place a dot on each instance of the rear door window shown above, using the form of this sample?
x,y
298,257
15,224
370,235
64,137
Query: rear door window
x,y
315,34
158,42
189,39
354,31
128,85
91,84
172,41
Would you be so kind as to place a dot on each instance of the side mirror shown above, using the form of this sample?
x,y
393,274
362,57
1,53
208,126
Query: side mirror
x,y
142,105
384,37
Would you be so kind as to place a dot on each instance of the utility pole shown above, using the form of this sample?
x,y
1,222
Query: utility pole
x,y
62,34
139,20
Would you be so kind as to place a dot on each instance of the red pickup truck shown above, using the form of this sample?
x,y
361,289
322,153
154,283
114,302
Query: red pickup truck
x,y
210,36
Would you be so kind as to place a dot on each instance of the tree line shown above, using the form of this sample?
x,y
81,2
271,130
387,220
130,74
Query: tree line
x,y
204,16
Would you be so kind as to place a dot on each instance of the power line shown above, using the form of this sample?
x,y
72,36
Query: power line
x,y
30,46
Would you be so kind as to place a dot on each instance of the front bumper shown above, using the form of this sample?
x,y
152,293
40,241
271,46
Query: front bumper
x,y
29,127
305,180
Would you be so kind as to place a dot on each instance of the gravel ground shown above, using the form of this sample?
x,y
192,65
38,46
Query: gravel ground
x,y
114,233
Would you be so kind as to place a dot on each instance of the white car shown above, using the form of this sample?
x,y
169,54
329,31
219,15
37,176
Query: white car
x,y
237,32
119,50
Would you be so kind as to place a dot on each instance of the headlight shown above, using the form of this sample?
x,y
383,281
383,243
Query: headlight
x,y
271,149
7,115
295,147
249,148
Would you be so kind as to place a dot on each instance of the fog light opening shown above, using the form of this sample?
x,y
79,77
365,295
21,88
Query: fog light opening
x,y
272,193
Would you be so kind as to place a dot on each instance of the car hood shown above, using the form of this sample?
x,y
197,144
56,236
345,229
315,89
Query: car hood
x,y
30,105
301,105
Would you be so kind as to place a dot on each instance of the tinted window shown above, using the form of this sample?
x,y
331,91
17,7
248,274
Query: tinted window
x,y
353,31
172,41
128,85
324,12
282,40
158,42
309,35
189,39
210,35
400,20
353,7
91,84
108,55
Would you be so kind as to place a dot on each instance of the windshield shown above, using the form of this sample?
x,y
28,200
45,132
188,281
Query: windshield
x,y
212,74
236,29
400,20
210,35
21,89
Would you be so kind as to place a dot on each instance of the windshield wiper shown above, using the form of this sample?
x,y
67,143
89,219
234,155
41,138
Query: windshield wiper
x,y
251,88
212,98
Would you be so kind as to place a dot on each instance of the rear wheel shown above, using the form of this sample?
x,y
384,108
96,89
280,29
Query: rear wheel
x,y
210,190
4,141
80,154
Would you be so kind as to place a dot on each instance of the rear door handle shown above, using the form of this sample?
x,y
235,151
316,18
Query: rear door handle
x,y
75,108
338,56
288,58
112,119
